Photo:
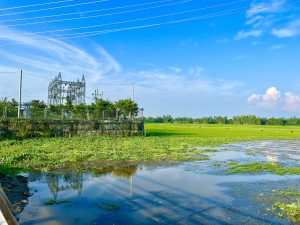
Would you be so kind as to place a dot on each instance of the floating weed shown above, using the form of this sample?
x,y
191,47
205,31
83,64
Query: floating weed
x,y
290,210
109,206
283,203
56,202
163,142
225,164
260,167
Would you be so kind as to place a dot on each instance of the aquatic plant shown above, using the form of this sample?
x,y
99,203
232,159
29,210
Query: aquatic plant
x,y
109,206
224,164
164,142
56,202
290,210
260,167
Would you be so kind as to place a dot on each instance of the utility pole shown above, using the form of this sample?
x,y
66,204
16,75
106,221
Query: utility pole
x,y
133,84
20,94
97,95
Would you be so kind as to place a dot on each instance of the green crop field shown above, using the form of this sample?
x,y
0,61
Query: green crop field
x,y
171,142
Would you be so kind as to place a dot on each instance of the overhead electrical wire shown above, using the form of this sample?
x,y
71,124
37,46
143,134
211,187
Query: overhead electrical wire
x,y
101,32
52,8
96,16
40,4
84,12
214,15
95,33
140,19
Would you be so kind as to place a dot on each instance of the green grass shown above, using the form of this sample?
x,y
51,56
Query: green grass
x,y
163,142
260,167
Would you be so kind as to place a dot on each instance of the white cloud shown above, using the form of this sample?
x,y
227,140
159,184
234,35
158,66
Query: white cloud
x,y
265,15
46,57
275,47
245,34
196,70
291,102
266,7
268,100
175,69
272,99
291,30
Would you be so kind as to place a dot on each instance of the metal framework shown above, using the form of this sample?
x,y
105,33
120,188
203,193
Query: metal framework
x,y
59,91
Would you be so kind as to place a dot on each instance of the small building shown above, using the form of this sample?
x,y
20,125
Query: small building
x,y
59,91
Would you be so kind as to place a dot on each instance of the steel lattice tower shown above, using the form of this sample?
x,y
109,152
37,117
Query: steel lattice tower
x,y
59,91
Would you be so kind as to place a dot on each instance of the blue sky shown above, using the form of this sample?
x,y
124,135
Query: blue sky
x,y
187,57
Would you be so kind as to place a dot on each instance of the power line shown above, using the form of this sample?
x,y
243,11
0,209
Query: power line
x,y
52,8
84,12
142,19
27,6
214,15
96,16
137,20
94,33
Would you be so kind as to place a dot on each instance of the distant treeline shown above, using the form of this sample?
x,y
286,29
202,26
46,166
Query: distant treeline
x,y
247,120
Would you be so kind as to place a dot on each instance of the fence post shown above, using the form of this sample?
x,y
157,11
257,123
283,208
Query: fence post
x,y
45,113
62,114
5,112
88,114
103,113
117,114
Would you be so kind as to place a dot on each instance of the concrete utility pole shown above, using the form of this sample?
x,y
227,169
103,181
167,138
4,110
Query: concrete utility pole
x,y
20,94
133,84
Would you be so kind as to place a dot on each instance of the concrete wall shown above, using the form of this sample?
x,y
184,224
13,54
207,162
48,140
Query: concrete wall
x,y
6,211
26,128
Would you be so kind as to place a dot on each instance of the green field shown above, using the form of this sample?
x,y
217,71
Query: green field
x,y
163,142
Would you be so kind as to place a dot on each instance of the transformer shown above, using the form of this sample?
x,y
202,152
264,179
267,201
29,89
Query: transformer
x,y
59,91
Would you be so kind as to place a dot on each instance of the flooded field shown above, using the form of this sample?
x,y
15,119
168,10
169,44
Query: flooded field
x,y
200,192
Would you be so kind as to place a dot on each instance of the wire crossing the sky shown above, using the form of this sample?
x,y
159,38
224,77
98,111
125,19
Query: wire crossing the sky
x,y
40,4
84,12
97,16
52,8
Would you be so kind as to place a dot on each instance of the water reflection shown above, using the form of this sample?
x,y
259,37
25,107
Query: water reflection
x,y
186,193
58,182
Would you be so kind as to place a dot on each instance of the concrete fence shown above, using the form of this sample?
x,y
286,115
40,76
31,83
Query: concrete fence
x,y
6,211
29,128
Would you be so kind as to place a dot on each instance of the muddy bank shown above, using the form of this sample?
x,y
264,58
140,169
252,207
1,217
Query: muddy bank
x,y
17,191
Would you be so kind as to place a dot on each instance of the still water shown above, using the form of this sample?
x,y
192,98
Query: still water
x,y
184,193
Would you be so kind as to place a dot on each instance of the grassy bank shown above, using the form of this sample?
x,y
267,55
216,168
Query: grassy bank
x,y
163,142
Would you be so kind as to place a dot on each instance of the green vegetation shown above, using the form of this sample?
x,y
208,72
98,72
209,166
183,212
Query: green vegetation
x,y
100,109
56,202
109,206
284,203
245,120
260,167
224,164
163,142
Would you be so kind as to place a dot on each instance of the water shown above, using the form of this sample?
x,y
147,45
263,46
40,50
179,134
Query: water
x,y
186,193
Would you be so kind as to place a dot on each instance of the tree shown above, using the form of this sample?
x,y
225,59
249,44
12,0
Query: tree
x,y
69,103
104,107
37,108
127,107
